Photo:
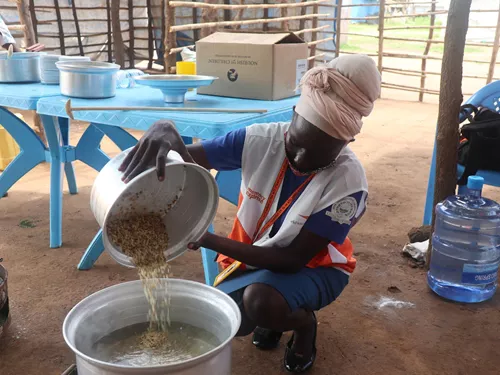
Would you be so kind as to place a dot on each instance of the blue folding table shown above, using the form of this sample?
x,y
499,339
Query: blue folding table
x,y
190,125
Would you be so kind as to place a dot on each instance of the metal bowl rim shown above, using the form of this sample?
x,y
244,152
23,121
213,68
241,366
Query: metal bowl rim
x,y
86,66
190,361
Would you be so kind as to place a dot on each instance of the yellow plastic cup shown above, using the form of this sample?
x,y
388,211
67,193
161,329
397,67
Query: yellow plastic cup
x,y
186,68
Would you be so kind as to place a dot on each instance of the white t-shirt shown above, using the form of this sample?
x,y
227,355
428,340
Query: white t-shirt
x,y
5,35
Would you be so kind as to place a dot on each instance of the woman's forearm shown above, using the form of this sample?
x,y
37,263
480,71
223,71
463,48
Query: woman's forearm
x,y
271,258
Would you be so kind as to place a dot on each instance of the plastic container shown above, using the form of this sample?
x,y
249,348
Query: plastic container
x,y
9,148
125,78
466,246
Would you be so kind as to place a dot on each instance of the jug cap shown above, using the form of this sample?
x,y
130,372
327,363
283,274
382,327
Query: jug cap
x,y
475,182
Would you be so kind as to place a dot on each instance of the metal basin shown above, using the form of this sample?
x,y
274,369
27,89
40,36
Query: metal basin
x,y
125,304
22,67
87,79
189,194
4,302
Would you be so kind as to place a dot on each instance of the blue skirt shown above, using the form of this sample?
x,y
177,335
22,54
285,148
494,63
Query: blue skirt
x,y
310,288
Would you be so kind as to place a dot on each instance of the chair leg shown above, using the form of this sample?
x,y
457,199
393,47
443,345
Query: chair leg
x,y
92,253
209,265
429,200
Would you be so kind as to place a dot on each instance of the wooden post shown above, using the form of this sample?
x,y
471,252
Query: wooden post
x,y
150,35
163,9
60,27
427,49
314,36
77,26
25,19
131,54
494,52
170,41
110,33
381,25
265,27
33,19
196,33
338,19
450,99
118,46
303,11
285,26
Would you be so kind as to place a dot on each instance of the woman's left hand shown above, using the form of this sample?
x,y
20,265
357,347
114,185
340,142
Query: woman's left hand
x,y
200,243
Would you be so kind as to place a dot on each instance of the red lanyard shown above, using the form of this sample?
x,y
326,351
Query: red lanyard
x,y
272,196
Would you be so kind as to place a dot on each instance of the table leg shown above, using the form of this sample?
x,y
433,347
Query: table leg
x,y
92,253
88,149
31,147
68,165
55,142
119,136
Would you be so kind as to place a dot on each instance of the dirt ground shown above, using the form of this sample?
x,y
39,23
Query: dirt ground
x,y
356,335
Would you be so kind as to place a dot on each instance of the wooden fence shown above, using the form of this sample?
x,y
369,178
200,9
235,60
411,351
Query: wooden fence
x,y
154,31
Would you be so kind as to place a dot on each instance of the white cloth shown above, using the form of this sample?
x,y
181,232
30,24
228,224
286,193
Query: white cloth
x,y
5,35
263,155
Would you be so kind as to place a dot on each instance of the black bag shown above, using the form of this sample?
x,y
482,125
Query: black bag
x,y
480,142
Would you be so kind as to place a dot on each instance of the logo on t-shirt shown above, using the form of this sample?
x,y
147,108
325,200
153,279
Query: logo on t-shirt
x,y
343,211
232,75
252,194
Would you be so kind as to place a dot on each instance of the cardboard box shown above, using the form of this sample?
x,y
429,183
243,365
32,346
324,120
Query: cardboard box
x,y
252,66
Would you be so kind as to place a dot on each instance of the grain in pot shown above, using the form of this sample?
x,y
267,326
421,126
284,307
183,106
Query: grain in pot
x,y
144,238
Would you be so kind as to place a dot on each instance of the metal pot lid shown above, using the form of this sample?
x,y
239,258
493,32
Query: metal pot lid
x,y
20,55
87,66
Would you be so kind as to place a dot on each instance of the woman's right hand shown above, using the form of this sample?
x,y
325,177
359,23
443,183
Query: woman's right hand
x,y
153,147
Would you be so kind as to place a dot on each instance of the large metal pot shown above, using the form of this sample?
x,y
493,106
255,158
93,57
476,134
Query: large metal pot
x,y
125,304
4,301
87,79
20,67
189,196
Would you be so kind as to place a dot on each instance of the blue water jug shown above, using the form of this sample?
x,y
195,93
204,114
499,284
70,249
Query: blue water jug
x,y
466,246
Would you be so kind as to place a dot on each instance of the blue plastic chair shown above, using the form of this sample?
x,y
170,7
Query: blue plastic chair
x,y
229,189
489,97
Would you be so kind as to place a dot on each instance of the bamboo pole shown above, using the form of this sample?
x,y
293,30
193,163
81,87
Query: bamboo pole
x,y
423,65
131,43
77,27
381,24
418,73
60,27
298,32
314,36
338,20
316,42
408,88
170,41
117,33
150,35
249,22
435,27
450,99
494,52
164,29
189,4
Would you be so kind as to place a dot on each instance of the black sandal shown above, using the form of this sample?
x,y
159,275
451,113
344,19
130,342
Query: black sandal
x,y
266,339
295,363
